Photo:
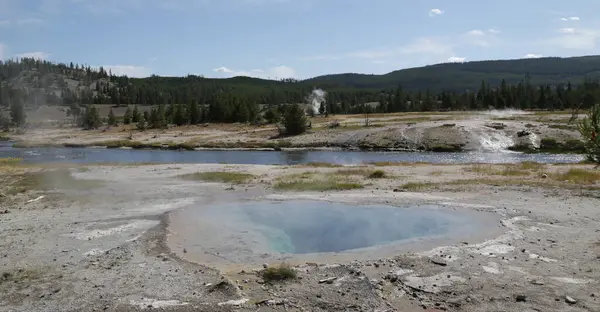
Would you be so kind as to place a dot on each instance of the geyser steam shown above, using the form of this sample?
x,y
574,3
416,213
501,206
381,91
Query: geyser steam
x,y
316,97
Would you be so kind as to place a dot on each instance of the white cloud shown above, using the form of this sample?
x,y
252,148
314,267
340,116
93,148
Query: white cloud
x,y
421,51
532,55
576,39
35,55
570,18
223,69
482,38
29,21
435,12
476,32
456,59
278,72
4,22
128,70
567,30
427,46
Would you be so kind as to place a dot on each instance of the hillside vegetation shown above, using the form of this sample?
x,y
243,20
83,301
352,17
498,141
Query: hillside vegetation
x,y
545,83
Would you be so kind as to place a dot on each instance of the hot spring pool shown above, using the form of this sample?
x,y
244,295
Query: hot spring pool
x,y
247,231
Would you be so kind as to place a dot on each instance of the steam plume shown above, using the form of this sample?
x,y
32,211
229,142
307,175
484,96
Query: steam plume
x,y
316,97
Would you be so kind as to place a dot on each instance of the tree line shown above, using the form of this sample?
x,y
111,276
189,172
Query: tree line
x,y
195,99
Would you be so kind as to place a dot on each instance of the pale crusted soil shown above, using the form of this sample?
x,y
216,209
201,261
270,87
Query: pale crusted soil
x,y
105,248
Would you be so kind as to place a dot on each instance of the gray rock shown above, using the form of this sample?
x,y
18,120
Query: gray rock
x,y
570,300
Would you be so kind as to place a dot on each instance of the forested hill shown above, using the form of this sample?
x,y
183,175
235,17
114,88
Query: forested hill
x,y
544,83
468,75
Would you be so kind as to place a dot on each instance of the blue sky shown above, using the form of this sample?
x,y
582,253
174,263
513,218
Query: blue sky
x,y
292,38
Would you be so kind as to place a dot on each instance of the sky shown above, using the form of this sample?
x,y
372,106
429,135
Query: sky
x,y
299,39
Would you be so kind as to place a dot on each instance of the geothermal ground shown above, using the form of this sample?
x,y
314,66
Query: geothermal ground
x,y
446,131
114,238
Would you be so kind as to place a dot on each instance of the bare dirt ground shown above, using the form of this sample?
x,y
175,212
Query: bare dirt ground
x,y
448,131
103,238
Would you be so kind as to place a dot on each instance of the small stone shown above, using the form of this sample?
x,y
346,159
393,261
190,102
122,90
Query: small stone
x,y
521,298
184,250
327,280
544,176
439,262
536,282
265,265
570,300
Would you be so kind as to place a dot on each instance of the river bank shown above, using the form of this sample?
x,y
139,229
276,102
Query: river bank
x,y
437,132
107,238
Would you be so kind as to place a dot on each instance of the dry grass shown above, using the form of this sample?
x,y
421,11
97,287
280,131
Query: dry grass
x,y
316,186
573,179
278,273
219,176
10,161
578,176
321,165
377,174
316,182
19,276
521,169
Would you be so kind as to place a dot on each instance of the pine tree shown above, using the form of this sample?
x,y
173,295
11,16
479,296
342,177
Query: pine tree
x,y
179,117
17,112
194,113
141,124
294,120
4,123
127,116
91,118
112,119
135,116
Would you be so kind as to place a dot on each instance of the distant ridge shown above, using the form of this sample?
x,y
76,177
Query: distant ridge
x,y
468,75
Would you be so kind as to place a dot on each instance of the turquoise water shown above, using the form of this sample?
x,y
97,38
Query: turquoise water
x,y
301,227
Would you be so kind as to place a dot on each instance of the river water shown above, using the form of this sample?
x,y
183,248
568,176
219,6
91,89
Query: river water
x,y
103,155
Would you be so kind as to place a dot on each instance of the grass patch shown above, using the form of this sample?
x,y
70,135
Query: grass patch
x,y
401,163
20,275
10,161
321,165
316,186
53,179
377,174
318,182
562,127
416,186
530,165
520,169
578,176
278,273
219,176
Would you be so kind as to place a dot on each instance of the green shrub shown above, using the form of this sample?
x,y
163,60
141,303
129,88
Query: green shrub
x,y
278,273
589,128
377,174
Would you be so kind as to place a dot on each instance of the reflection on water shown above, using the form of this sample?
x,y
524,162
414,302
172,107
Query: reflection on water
x,y
92,155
